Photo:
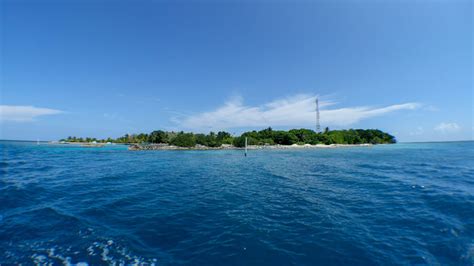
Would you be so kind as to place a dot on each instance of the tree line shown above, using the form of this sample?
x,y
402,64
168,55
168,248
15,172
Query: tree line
x,y
306,136
266,136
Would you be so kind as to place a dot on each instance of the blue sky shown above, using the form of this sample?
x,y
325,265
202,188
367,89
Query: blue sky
x,y
106,68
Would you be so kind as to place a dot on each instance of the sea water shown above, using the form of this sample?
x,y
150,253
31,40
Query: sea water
x,y
387,204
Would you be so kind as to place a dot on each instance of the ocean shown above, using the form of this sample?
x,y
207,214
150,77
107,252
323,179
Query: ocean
x,y
402,204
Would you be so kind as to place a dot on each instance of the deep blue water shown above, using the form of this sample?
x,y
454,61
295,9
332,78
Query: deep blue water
x,y
389,204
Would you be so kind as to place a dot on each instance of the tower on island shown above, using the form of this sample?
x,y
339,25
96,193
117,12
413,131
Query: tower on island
x,y
318,126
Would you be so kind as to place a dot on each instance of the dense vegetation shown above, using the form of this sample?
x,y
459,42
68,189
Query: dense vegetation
x,y
306,136
266,136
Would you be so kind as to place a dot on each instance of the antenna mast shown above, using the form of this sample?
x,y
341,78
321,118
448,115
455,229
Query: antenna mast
x,y
318,126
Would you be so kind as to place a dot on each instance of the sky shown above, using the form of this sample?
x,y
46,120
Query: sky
x,y
106,68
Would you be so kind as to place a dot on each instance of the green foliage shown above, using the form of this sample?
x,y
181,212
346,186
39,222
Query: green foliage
x,y
184,140
304,135
284,138
158,136
141,138
307,136
266,136
224,137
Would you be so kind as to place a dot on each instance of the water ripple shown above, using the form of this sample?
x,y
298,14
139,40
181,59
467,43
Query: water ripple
x,y
400,204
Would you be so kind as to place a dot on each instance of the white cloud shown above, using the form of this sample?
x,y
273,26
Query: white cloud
x,y
294,111
24,113
447,127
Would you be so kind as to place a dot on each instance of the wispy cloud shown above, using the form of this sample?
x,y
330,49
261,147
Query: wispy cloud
x,y
24,113
446,127
297,111
417,132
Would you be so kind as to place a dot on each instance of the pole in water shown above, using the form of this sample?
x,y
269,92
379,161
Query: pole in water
x,y
245,146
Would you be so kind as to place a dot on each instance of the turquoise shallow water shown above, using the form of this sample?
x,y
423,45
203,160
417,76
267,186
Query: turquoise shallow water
x,y
383,205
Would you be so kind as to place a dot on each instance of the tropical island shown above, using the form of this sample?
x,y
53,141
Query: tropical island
x,y
268,137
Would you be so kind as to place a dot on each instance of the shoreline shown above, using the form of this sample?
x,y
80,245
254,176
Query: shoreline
x,y
145,147
162,146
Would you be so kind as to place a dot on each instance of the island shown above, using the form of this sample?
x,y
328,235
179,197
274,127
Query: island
x,y
266,138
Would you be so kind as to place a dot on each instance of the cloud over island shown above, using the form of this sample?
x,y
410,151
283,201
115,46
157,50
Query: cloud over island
x,y
295,111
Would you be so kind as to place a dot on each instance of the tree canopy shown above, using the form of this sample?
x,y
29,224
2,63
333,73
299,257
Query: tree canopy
x,y
307,136
266,136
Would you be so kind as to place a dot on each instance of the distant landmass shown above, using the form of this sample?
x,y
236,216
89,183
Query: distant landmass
x,y
266,136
